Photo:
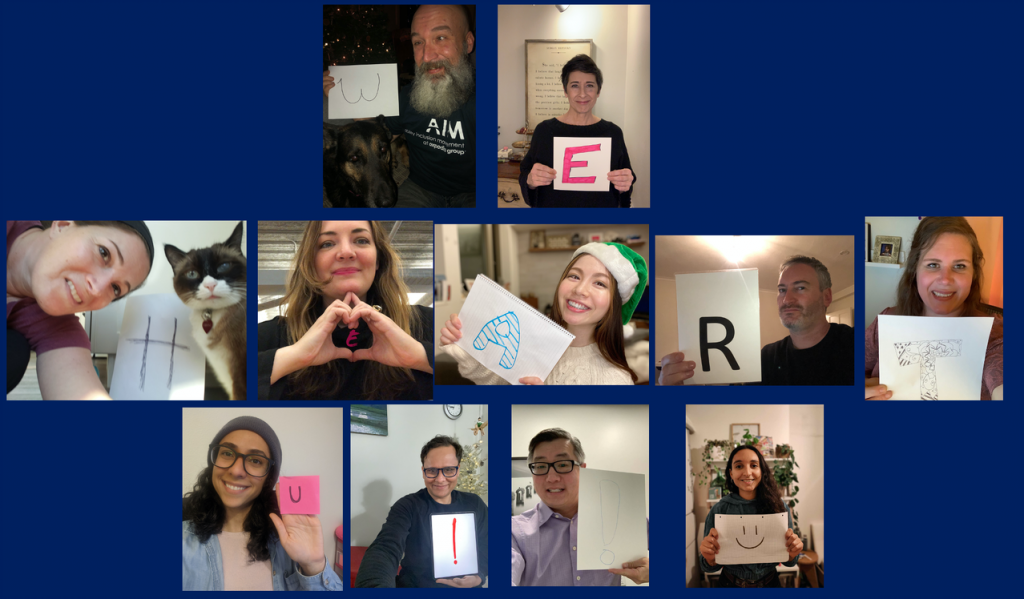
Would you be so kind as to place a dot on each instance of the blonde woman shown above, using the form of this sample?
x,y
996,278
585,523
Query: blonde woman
x,y
346,274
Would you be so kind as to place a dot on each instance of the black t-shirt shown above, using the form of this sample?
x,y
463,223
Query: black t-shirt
x,y
407,531
830,362
542,150
442,150
273,335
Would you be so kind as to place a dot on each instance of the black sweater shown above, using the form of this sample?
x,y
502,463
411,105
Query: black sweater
x,y
407,531
542,149
830,362
273,335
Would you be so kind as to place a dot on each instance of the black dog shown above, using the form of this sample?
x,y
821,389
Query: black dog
x,y
359,165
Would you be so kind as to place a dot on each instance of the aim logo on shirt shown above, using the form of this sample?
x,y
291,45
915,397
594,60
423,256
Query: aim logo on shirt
x,y
446,129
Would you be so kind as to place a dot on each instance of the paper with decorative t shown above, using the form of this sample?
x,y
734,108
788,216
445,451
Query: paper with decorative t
x,y
612,525
299,494
582,163
932,358
157,357
507,335
752,539
363,91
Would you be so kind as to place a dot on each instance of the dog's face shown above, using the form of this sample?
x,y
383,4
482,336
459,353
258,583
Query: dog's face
x,y
358,165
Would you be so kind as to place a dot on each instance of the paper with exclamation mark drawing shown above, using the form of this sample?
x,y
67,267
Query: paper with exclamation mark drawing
x,y
612,519
454,544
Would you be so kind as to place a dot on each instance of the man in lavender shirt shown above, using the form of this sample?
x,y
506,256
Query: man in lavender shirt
x,y
544,538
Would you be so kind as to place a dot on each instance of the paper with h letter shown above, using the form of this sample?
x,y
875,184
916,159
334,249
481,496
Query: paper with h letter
x,y
582,163
363,91
932,358
454,543
613,519
507,335
753,539
720,325
299,494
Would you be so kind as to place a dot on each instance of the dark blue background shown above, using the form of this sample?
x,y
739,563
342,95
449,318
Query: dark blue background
x,y
768,118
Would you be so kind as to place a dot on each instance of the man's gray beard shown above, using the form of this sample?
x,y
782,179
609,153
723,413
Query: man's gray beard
x,y
441,98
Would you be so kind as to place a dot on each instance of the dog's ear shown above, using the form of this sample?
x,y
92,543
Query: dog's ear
x,y
330,138
384,125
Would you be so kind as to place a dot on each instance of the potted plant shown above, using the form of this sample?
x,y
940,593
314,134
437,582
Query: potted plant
x,y
748,439
785,477
783,451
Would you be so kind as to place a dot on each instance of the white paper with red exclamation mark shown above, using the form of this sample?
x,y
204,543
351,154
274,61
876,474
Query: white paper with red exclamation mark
x,y
454,543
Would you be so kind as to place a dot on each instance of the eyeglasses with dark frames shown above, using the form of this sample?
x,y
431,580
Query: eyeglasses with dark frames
x,y
561,467
255,464
448,471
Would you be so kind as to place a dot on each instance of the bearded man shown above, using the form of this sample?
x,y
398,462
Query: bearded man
x,y
437,113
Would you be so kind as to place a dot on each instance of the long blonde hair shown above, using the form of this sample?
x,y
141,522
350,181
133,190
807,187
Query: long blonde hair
x,y
304,297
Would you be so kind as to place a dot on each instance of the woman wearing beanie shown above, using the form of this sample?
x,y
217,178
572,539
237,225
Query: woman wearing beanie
x,y
233,536
55,272
595,298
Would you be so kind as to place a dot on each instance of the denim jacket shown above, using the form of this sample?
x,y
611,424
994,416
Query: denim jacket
x,y
202,567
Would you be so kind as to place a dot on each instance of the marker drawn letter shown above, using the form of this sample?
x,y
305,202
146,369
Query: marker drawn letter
x,y
568,164
730,332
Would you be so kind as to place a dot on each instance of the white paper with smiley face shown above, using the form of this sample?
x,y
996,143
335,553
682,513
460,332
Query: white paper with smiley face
x,y
754,539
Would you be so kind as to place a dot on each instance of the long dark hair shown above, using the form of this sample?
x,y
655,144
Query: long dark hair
x,y
203,507
768,499
609,331
908,300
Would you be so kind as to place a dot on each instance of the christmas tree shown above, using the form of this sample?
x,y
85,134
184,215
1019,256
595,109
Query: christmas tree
x,y
470,477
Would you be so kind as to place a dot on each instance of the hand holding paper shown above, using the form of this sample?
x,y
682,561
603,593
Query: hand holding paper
x,y
299,494
540,175
621,179
301,536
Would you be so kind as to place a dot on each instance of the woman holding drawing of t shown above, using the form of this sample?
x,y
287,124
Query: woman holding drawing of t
x,y
752,490
53,274
942,277
595,298
581,83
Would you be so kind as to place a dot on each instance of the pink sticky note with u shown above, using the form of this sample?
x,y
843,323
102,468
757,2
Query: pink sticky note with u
x,y
299,494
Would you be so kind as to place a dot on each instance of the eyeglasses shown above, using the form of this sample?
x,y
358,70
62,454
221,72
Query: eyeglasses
x,y
255,464
561,467
449,471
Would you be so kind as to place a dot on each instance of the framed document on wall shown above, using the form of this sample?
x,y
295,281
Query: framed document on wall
x,y
544,61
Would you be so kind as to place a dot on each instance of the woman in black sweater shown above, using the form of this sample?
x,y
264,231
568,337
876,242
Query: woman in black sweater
x,y
581,82
344,290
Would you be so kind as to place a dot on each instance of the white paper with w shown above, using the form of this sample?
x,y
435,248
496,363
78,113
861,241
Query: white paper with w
x,y
753,539
507,335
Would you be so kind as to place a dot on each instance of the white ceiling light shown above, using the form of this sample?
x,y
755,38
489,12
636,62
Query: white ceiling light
x,y
562,7
736,248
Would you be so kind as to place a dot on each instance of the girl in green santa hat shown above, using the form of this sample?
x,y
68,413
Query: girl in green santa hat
x,y
595,298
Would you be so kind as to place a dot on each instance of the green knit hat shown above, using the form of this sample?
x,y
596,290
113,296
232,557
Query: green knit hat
x,y
629,269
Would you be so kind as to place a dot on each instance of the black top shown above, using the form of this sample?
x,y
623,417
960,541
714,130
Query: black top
x,y
442,150
407,530
830,362
273,334
542,149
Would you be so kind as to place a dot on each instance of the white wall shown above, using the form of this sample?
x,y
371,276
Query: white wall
x,y
385,469
801,426
447,263
613,437
880,283
621,36
311,441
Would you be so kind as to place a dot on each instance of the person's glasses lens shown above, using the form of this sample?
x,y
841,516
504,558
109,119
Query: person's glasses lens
x,y
563,467
539,469
254,465
450,471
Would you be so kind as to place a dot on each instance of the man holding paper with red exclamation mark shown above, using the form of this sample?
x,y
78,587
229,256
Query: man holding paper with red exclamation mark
x,y
441,532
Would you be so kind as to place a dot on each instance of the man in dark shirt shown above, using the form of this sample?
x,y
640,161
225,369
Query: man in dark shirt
x,y
815,352
437,113
407,529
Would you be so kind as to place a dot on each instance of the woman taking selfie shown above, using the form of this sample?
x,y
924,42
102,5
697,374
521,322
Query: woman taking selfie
x,y
56,272
344,293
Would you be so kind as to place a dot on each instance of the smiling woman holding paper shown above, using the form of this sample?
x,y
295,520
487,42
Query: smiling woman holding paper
x,y
752,491
56,272
581,83
595,298
349,331
942,278
233,534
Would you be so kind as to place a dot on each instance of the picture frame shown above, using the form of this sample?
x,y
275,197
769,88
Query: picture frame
x,y
766,446
544,60
369,419
714,493
736,431
887,249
